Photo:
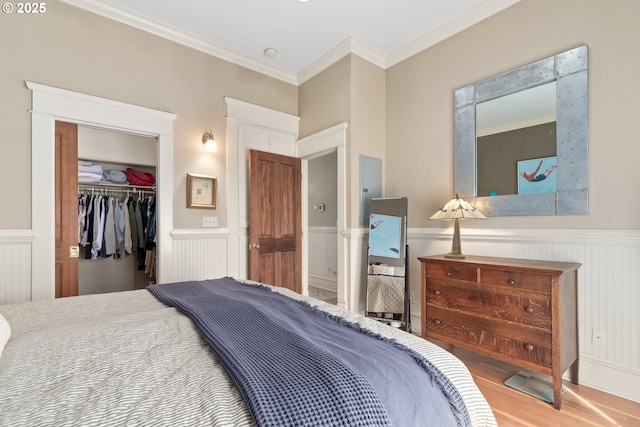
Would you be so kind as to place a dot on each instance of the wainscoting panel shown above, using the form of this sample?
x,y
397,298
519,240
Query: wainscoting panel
x,y
608,289
608,281
200,254
15,266
323,257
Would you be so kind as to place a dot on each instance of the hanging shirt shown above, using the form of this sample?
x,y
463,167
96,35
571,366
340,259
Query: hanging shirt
x,y
87,234
134,226
119,226
105,212
98,224
110,227
127,226
82,212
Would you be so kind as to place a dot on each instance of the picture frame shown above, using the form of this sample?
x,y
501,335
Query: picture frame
x,y
201,191
542,175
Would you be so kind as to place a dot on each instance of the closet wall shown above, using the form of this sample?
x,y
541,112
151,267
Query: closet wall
x,y
114,150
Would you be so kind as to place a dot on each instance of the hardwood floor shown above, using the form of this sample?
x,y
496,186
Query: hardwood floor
x,y
323,294
581,405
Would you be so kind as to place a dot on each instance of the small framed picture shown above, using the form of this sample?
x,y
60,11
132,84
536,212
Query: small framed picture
x,y
201,191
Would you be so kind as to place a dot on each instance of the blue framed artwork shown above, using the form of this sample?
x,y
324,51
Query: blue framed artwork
x,y
384,235
538,175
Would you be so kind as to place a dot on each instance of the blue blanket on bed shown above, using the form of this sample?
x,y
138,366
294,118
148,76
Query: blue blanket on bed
x,y
295,365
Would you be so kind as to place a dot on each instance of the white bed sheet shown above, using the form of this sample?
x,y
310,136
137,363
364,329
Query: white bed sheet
x,y
125,359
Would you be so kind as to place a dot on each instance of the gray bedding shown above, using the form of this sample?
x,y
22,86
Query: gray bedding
x,y
126,359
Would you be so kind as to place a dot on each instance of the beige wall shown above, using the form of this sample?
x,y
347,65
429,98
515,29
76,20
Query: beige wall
x,y
352,91
323,184
404,115
72,49
325,100
419,106
367,126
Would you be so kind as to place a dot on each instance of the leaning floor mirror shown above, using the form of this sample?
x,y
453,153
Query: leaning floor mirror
x,y
387,275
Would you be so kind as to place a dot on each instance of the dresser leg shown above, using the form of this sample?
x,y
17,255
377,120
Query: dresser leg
x,y
557,390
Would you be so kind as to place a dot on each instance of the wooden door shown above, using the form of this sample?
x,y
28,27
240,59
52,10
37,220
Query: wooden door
x,y
66,209
275,220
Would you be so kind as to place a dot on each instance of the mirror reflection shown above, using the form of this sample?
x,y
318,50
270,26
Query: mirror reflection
x,y
516,142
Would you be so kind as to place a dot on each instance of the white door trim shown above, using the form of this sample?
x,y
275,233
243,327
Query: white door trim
x,y
316,145
310,147
241,114
50,104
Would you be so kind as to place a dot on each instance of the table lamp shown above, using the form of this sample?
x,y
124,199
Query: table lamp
x,y
457,209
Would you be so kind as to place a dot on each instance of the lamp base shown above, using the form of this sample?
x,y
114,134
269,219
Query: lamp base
x,y
456,251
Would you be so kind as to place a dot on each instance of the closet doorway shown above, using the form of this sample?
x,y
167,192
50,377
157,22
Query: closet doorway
x,y
49,104
79,268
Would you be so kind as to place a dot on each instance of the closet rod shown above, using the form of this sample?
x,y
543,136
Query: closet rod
x,y
107,189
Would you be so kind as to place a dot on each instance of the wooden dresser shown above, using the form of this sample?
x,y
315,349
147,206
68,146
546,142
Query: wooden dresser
x,y
520,311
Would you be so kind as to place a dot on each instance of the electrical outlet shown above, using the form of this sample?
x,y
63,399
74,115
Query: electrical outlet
x,y
599,337
412,298
209,221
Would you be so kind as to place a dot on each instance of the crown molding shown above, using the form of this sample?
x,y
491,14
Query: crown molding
x,y
456,25
350,45
325,61
133,19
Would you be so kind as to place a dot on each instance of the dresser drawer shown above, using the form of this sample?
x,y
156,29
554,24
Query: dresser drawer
x,y
513,304
537,282
502,339
452,270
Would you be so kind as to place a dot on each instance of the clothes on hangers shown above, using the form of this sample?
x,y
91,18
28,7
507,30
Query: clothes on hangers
x,y
111,227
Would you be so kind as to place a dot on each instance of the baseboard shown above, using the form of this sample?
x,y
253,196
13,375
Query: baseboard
x,y
613,379
330,285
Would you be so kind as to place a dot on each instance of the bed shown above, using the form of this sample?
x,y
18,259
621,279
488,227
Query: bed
x,y
128,359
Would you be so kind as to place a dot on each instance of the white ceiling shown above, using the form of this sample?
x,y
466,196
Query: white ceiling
x,y
309,36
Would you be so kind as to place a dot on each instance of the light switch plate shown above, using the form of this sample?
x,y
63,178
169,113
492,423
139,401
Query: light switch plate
x,y
209,221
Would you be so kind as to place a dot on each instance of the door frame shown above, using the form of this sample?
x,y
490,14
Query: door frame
x,y
308,148
50,104
316,145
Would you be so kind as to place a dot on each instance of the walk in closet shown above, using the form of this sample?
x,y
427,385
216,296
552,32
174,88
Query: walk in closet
x,y
116,171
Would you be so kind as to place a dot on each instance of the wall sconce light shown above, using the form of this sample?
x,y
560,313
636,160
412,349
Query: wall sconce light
x,y
209,142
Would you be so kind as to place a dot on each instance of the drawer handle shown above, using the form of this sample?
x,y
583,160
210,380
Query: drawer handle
x,y
529,347
529,309
512,282
437,322
437,292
